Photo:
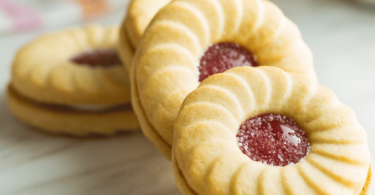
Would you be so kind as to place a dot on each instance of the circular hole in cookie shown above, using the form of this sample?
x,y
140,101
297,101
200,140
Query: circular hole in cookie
x,y
224,56
273,139
98,58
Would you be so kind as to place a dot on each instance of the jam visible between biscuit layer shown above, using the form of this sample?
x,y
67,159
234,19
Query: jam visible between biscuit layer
x,y
273,139
224,56
98,58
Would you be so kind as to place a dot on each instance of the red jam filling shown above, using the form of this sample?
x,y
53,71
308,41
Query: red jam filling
x,y
224,56
273,139
102,58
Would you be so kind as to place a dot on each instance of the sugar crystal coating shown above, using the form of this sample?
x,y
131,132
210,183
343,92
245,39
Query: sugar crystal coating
x,y
273,139
224,56
102,58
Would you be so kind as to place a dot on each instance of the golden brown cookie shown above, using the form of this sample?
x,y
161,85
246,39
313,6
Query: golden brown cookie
x,y
62,80
168,63
210,157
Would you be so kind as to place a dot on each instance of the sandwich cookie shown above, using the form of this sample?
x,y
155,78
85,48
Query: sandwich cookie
x,y
72,82
189,40
266,131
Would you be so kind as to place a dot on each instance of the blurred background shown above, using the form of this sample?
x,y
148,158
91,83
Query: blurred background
x,y
341,35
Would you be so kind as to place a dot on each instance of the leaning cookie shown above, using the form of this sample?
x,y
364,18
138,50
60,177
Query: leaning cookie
x,y
188,41
266,131
72,82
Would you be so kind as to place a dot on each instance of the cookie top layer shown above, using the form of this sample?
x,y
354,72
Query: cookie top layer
x,y
206,152
140,14
166,63
44,71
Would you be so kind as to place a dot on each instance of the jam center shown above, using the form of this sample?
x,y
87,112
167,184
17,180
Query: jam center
x,y
223,56
273,139
98,58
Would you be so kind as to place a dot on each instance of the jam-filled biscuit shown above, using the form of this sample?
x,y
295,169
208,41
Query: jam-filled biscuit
x,y
72,82
266,131
189,40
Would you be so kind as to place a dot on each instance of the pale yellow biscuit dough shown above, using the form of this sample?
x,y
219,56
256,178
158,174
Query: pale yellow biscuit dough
x,y
126,51
70,122
164,68
43,71
140,14
207,159
44,77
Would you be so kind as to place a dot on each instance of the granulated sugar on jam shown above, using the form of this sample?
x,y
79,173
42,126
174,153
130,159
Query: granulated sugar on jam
x,y
223,56
101,58
273,139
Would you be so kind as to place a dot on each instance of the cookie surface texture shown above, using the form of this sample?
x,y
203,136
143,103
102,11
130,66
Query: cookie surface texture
x,y
71,122
206,154
140,14
43,70
79,71
165,66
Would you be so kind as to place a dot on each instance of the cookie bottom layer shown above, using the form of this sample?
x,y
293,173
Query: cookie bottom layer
x,y
71,123
126,52
185,189
147,129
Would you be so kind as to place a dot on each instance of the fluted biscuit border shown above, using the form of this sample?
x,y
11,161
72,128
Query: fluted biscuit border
x,y
139,15
125,51
146,127
77,124
205,148
42,69
166,60
184,188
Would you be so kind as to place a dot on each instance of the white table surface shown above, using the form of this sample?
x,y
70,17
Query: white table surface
x,y
342,38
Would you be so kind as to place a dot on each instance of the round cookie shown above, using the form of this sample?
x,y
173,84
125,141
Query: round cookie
x,y
168,61
72,82
207,153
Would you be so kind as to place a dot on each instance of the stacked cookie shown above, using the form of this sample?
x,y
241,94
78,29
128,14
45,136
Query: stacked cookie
x,y
227,91
72,82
